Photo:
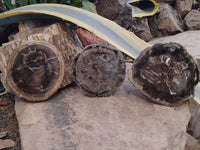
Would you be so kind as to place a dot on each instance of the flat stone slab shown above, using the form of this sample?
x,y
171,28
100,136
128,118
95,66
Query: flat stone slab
x,y
125,121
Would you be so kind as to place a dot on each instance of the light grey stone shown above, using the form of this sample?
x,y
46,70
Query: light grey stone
x,y
191,141
165,22
166,1
168,20
192,20
6,143
194,125
127,120
3,134
183,6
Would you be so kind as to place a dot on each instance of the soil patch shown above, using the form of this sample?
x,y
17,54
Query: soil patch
x,y
8,120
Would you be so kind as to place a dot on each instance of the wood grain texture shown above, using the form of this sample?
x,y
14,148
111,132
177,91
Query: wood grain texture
x,y
99,70
52,47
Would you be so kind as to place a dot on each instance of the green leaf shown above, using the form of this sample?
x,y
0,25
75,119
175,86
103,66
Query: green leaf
x,y
54,1
87,5
33,1
43,1
21,2
8,4
49,1
1,9
76,3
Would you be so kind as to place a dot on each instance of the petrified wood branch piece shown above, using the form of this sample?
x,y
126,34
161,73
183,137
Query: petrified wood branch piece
x,y
166,73
36,62
35,70
99,70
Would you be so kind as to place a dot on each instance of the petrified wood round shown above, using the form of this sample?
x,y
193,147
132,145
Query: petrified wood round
x,y
166,73
35,71
99,70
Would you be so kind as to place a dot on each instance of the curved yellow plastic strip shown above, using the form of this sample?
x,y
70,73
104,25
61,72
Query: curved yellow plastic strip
x,y
122,39
149,8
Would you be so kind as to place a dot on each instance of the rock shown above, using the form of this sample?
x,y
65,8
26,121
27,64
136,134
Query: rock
x,y
3,103
124,15
171,2
198,62
127,120
167,22
6,144
3,134
192,20
115,10
191,141
107,8
194,125
141,28
121,13
183,6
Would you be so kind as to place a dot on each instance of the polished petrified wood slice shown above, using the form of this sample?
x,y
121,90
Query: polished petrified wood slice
x,y
99,70
166,73
35,70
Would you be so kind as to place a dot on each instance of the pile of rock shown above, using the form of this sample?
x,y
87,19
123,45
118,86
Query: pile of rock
x,y
174,16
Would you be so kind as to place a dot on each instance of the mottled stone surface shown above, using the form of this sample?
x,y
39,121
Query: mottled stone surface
x,y
166,1
192,20
126,120
6,144
183,6
141,28
165,22
168,20
3,134
116,10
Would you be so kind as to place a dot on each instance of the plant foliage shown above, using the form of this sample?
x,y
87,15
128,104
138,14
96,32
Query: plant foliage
x,y
6,5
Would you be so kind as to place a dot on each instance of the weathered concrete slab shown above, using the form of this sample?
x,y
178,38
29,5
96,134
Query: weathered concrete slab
x,y
126,120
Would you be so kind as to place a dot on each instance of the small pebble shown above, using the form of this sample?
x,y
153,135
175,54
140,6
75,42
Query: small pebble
x,y
3,134
3,103
6,143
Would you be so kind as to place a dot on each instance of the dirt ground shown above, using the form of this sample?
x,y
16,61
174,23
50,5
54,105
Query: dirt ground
x,y
8,121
